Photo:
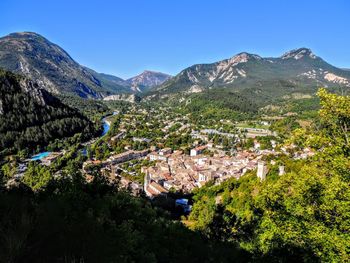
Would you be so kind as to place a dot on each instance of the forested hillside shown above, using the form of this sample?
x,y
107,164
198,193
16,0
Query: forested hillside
x,y
32,117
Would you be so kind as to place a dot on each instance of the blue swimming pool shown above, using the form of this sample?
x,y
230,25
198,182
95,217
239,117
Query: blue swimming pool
x,y
39,156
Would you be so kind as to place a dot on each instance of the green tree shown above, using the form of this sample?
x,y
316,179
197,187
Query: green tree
x,y
36,176
9,170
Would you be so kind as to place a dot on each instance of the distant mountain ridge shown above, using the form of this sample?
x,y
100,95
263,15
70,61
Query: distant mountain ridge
x,y
257,78
46,63
250,75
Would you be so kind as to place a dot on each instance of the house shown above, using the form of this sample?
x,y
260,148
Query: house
x,y
51,158
122,157
165,151
157,157
201,161
154,189
198,150
204,176
153,148
281,170
257,145
169,184
139,154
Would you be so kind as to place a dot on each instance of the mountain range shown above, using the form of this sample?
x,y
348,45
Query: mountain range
x,y
296,73
46,63
260,79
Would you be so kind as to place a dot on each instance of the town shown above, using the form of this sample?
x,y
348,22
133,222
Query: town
x,y
155,157
156,151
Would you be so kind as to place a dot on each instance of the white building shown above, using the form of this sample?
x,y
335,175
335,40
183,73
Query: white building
x,y
262,170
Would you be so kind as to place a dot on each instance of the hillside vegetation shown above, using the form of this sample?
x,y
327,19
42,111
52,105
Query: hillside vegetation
x,y
301,216
68,220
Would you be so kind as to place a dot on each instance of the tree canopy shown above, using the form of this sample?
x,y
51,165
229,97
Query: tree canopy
x,y
303,215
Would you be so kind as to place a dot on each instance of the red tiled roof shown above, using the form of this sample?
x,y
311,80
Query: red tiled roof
x,y
158,187
202,147
167,176
151,191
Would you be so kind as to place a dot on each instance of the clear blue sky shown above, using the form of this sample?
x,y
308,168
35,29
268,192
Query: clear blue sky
x,y
126,37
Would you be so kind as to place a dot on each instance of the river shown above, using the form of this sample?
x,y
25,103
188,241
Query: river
x,y
106,128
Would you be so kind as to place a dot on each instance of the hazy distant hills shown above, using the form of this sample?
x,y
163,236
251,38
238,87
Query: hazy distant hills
x,y
52,68
257,78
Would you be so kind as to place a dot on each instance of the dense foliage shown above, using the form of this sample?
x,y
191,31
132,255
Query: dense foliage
x,y
31,117
226,99
89,107
71,221
285,126
302,215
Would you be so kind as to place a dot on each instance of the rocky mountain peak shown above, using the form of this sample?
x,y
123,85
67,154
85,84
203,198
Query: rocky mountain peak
x,y
148,78
26,34
149,72
299,53
242,58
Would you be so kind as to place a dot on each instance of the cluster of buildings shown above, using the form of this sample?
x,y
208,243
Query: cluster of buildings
x,y
176,171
